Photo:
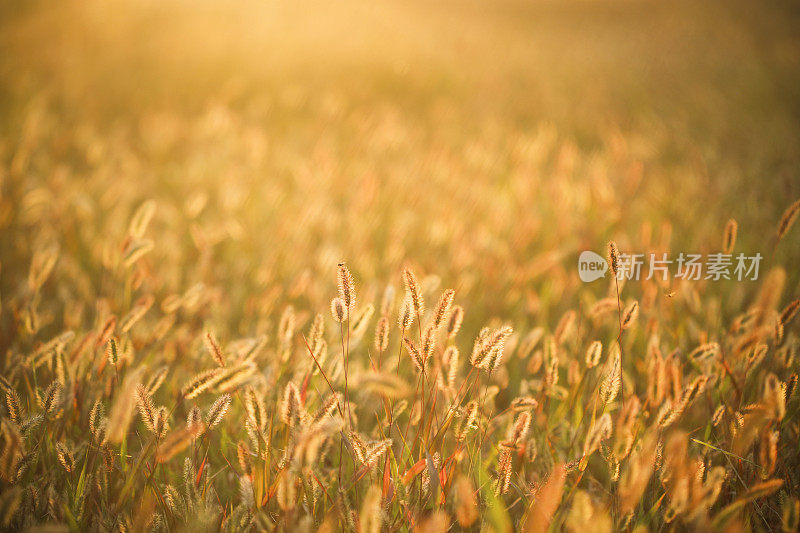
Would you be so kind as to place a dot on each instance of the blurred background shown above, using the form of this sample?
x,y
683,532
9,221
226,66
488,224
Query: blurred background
x,y
484,142
171,169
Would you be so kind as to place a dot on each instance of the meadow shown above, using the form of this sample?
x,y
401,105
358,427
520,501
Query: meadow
x,y
313,266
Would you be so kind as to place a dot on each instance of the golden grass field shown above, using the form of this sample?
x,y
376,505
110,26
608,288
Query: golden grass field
x,y
313,266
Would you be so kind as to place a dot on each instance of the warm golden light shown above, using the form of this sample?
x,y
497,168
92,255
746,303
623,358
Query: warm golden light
x,y
390,266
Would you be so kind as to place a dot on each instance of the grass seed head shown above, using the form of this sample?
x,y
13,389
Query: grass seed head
x,y
414,292
201,382
65,457
347,289
788,218
729,237
217,411
593,354
52,398
112,351
612,257
382,335
406,316
443,307
194,420
416,357
291,406
339,310
213,348
454,321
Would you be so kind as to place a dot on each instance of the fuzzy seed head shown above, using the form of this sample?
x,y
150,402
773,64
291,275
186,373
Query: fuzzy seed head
x,y
213,348
414,292
414,353
613,379
593,354
112,351
520,428
443,307
339,310
65,457
382,335
194,420
14,406
147,409
96,422
52,398
454,321
406,316
201,383
729,237
291,406
218,410
613,257
347,289
630,315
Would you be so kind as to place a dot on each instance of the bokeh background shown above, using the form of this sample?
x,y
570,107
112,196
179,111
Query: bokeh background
x,y
484,142
483,145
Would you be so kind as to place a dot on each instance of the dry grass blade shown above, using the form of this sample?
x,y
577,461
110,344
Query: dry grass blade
x,y
788,218
121,414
